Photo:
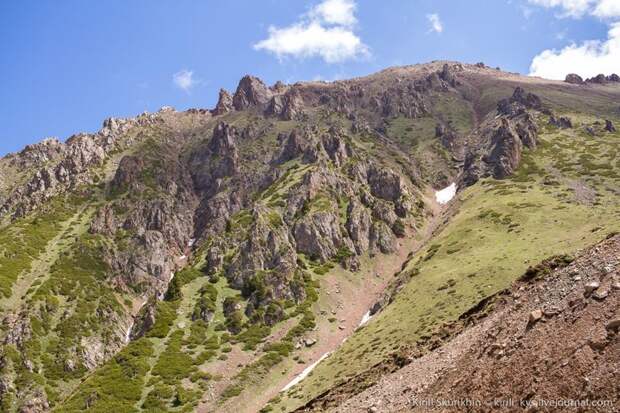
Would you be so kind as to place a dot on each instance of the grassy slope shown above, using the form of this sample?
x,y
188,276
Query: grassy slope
x,y
500,227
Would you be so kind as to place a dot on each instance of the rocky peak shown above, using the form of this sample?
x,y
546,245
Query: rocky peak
x,y
250,92
39,153
224,103
279,87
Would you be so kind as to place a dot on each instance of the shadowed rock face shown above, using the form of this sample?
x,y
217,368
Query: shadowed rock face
x,y
503,138
128,172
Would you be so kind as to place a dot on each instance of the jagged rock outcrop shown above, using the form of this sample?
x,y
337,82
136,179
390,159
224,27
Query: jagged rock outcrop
x,y
48,150
358,226
448,74
382,238
287,106
224,103
518,103
251,92
144,321
59,167
506,148
318,235
217,160
502,139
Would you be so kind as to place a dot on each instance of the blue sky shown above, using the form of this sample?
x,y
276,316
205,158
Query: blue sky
x,y
68,64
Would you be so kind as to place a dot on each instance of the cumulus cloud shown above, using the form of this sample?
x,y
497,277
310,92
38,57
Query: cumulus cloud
x,y
435,21
184,80
607,9
587,59
326,31
341,12
577,8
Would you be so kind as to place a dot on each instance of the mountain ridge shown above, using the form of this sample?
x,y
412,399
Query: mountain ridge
x,y
203,249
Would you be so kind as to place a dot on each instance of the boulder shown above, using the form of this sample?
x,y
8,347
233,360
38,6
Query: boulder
x,y
591,287
574,79
613,325
562,122
535,316
599,79
609,126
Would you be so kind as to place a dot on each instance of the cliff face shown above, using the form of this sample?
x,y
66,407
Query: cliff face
x,y
253,200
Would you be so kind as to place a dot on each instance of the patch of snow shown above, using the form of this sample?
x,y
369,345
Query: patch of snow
x,y
191,242
365,318
182,257
445,195
304,373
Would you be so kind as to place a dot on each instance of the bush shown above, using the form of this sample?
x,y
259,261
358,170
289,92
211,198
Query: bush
x,y
399,228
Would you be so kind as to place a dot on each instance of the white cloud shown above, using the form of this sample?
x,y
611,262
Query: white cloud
x,y
607,9
341,12
326,31
577,8
588,59
184,80
435,21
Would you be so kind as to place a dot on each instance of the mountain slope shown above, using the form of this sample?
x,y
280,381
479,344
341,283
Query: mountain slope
x,y
202,259
504,344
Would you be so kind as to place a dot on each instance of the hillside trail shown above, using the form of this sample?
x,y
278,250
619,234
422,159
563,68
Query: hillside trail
x,y
350,305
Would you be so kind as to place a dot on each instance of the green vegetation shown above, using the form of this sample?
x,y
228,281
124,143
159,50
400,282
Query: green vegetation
x,y
500,227
26,238
117,386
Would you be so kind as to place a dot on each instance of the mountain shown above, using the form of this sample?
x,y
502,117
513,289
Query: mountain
x,y
298,245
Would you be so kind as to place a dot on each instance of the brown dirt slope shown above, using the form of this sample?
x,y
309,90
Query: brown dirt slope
x,y
553,337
